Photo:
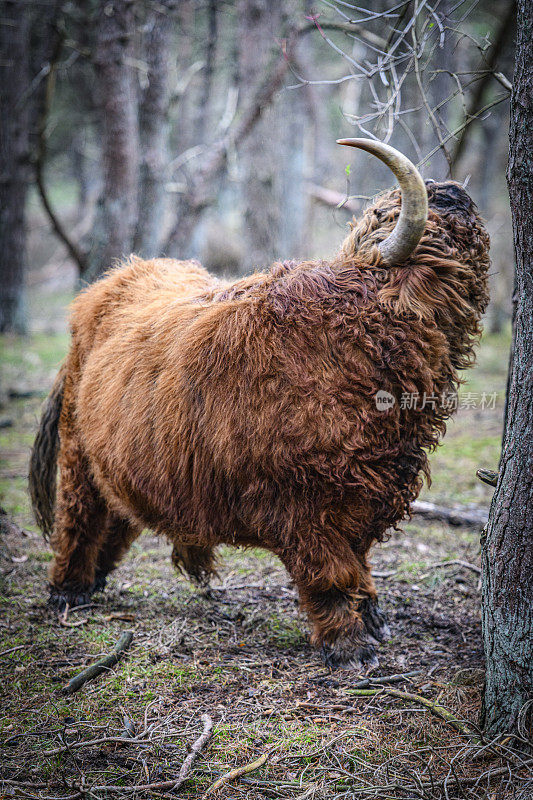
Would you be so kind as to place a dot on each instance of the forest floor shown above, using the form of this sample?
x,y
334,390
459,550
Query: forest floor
x,y
240,653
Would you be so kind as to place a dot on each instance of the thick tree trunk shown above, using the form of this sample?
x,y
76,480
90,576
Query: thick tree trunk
x,y
14,81
153,126
117,212
508,546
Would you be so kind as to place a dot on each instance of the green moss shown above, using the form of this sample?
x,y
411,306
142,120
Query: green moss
x,y
281,630
411,568
230,742
43,558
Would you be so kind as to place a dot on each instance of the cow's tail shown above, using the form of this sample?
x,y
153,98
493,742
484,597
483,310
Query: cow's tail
x,y
43,460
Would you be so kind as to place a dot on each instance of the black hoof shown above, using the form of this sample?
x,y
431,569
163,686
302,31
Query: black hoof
x,y
344,653
100,582
61,597
374,620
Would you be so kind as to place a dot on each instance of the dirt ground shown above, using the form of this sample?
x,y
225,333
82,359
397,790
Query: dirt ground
x,y
240,654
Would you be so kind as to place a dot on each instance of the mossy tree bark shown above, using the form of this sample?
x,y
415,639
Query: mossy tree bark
x,y
508,546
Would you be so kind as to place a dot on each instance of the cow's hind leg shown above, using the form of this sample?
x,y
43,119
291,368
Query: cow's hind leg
x,y
196,561
117,538
78,530
339,595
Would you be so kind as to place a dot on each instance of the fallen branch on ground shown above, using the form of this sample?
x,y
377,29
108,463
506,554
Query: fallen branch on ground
x,y
29,784
100,666
387,574
12,650
433,706
436,709
457,563
384,679
460,515
235,773
94,743
183,773
195,749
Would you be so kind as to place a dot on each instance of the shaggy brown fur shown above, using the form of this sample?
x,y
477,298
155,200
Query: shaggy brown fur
x,y
245,413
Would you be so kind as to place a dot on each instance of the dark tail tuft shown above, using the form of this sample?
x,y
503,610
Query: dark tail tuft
x,y
43,460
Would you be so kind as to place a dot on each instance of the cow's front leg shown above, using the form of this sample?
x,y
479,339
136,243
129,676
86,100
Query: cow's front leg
x,y
339,627
341,602
374,619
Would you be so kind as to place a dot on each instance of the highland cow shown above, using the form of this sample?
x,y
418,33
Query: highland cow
x,y
246,413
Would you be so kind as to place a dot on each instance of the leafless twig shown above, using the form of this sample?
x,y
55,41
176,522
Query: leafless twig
x,y
100,666
235,773
458,563
175,784
198,745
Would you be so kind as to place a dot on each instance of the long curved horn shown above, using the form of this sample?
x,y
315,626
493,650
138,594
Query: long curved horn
x,y
414,212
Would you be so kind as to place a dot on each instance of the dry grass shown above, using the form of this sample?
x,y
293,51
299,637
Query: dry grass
x,y
240,654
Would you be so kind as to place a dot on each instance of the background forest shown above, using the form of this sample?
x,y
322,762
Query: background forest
x,y
207,128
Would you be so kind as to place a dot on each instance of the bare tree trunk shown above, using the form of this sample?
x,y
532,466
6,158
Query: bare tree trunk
x,y
202,189
204,103
200,132
117,212
187,68
305,148
81,173
508,547
154,129
261,26
14,121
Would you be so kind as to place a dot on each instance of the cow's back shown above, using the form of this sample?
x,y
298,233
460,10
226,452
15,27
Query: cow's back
x,y
126,290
